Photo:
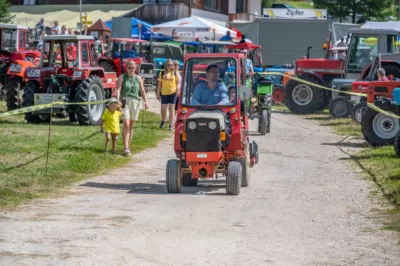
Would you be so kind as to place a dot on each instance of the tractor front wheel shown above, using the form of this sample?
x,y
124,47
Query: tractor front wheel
x,y
303,98
29,100
340,107
379,129
173,176
12,90
278,95
90,90
357,112
188,181
234,178
263,122
245,162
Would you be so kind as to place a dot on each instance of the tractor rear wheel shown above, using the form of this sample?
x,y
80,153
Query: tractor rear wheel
x,y
107,66
173,176
234,178
188,181
263,122
340,107
12,90
357,112
303,98
29,100
379,129
90,90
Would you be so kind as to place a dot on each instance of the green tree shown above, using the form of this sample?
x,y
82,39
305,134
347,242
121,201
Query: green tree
x,y
5,14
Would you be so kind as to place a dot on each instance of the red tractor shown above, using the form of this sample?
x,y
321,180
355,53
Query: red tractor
x,y
68,72
15,56
338,73
211,132
119,51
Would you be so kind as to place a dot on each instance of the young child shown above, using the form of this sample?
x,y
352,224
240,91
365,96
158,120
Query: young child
x,y
110,123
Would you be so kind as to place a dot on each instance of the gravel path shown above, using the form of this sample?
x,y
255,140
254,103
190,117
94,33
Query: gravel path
x,y
305,206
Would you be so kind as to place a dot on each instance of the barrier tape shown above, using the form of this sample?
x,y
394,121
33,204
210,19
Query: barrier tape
x,y
44,106
379,110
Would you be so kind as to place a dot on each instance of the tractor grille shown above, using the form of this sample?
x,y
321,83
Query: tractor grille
x,y
203,139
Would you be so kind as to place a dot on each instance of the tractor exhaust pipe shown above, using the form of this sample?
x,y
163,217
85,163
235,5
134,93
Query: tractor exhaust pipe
x,y
308,52
203,172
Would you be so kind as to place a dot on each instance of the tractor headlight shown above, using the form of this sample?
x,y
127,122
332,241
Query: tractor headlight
x,y
33,73
77,74
15,67
212,125
192,125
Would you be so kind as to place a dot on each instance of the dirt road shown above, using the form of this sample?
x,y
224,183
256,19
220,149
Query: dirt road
x,y
304,206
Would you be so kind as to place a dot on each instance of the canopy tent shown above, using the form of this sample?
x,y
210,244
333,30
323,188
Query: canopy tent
x,y
146,34
191,28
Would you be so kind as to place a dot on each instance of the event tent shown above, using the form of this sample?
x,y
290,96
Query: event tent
x,y
146,34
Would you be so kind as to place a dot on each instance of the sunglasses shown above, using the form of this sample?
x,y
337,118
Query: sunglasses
x,y
131,67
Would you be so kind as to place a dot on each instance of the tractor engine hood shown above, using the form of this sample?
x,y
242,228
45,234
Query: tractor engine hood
x,y
338,83
217,115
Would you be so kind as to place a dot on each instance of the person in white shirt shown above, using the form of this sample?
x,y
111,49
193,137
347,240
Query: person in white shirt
x,y
56,29
64,30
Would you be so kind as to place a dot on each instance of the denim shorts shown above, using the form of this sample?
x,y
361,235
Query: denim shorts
x,y
168,99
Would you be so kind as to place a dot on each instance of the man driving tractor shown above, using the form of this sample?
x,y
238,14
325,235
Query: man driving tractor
x,y
210,92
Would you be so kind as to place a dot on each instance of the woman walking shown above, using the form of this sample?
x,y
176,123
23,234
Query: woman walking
x,y
129,89
166,91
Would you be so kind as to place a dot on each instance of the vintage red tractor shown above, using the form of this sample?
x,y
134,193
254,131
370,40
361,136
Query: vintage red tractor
x,y
68,72
211,132
15,56
364,46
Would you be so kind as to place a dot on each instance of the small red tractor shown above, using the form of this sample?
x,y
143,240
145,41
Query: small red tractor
x,y
120,50
68,72
15,56
338,73
211,134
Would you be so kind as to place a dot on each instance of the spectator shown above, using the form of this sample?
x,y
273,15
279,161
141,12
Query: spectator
x,y
176,64
40,43
248,64
70,32
166,92
342,43
110,124
56,29
226,37
382,75
64,30
129,89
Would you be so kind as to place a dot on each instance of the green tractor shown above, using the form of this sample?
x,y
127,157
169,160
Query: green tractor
x,y
260,104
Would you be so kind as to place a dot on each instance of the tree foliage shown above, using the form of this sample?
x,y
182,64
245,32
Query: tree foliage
x,y
5,14
340,9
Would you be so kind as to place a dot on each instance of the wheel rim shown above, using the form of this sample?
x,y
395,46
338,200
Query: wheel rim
x,y
302,94
339,108
95,110
384,126
277,96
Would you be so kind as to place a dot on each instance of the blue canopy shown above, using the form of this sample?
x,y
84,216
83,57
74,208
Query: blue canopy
x,y
146,33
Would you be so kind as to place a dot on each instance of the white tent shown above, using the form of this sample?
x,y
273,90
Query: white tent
x,y
188,28
388,25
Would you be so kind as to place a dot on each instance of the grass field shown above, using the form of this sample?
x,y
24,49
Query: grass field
x,y
76,152
381,164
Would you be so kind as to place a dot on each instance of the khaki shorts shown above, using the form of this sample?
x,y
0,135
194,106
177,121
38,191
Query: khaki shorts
x,y
131,110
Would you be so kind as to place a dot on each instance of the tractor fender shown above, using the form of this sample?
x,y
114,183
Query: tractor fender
x,y
386,105
21,73
311,74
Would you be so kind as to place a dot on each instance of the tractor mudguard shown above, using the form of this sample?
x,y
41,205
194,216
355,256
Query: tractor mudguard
x,y
253,149
387,105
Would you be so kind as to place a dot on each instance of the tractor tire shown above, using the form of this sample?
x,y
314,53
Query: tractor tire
x,y
378,129
340,107
325,103
306,105
87,91
234,178
173,176
397,144
12,90
278,94
28,100
263,122
72,117
357,112
245,162
188,181
107,66
269,112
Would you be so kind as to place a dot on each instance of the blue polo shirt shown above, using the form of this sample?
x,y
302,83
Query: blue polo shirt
x,y
204,96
